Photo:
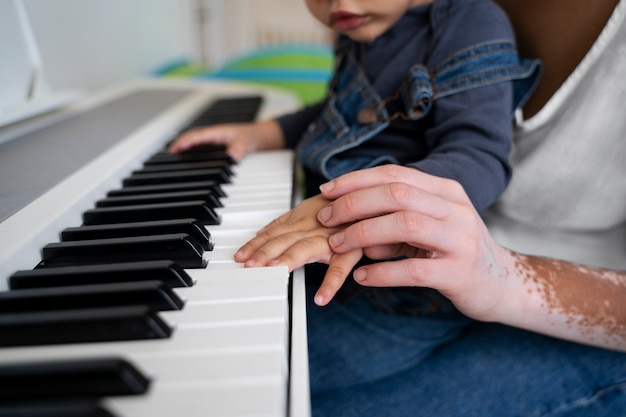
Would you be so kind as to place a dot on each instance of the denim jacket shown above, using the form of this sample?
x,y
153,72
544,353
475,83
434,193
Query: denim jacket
x,y
354,112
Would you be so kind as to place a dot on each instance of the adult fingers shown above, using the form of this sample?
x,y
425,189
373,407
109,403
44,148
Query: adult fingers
x,y
386,174
413,229
409,272
383,199
395,250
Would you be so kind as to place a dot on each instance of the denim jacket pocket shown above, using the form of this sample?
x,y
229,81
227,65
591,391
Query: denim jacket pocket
x,y
340,128
322,145
321,135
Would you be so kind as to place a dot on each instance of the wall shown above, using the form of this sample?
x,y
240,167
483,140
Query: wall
x,y
233,27
89,45
92,44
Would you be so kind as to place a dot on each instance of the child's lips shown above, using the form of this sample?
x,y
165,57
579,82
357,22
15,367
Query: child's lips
x,y
344,21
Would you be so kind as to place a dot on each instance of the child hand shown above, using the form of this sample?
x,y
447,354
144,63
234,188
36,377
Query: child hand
x,y
298,238
240,139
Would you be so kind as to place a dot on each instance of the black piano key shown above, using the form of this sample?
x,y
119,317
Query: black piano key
x,y
251,104
241,109
82,326
70,379
228,110
178,247
106,231
209,174
158,198
166,271
189,156
228,114
212,186
196,209
54,408
185,166
205,147
154,294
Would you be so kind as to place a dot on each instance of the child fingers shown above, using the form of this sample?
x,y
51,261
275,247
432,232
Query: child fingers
x,y
264,248
304,251
339,268
219,134
273,229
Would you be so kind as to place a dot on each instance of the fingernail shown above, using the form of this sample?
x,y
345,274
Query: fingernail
x,y
239,254
319,300
325,214
336,239
360,275
326,187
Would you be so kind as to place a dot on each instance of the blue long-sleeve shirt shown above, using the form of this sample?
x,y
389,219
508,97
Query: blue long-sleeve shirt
x,y
466,136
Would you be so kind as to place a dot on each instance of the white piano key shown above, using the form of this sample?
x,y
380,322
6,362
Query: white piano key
x,y
258,398
220,255
232,233
246,193
234,240
260,207
253,199
212,338
243,217
192,366
267,181
245,283
248,311
223,373
203,366
266,161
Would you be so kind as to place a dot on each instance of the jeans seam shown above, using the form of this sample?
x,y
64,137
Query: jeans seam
x,y
583,402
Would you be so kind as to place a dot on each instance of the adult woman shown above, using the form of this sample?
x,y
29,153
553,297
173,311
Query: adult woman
x,y
367,355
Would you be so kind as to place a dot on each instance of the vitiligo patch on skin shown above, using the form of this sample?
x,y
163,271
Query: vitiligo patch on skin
x,y
592,299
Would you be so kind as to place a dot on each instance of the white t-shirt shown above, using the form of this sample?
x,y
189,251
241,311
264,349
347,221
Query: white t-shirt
x,y
567,197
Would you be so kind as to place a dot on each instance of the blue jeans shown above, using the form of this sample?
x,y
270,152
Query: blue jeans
x,y
375,353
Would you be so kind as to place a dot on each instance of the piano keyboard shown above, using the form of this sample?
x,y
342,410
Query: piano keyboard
x,y
167,323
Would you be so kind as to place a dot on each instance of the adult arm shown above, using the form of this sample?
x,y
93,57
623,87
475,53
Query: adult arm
x,y
443,243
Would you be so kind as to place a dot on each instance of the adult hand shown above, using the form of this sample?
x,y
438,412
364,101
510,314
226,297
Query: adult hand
x,y
430,222
240,138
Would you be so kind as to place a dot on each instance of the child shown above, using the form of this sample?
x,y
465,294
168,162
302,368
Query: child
x,y
430,84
